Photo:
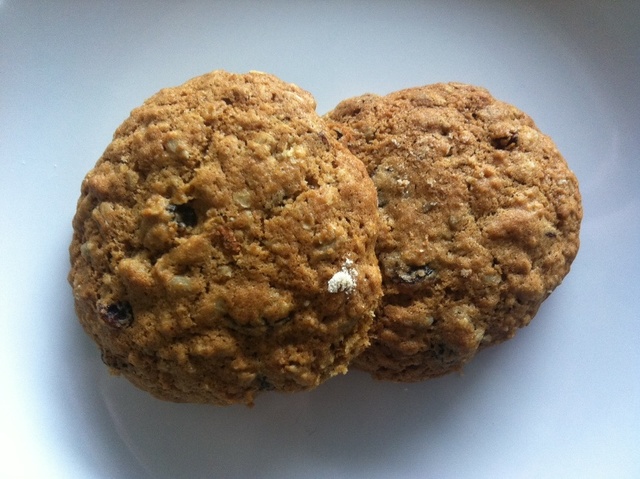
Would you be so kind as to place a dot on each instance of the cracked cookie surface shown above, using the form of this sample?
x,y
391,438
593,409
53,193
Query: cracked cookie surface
x,y
480,221
207,234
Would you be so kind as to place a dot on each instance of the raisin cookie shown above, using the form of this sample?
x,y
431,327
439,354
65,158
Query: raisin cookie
x,y
224,244
480,220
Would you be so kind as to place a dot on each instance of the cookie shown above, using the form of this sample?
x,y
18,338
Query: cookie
x,y
480,222
224,244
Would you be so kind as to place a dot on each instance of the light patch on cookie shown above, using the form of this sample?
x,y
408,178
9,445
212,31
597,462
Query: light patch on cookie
x,y
344,280
177,148
295,153
242,198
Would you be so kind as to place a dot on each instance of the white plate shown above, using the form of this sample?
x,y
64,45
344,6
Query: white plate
x,y
562,399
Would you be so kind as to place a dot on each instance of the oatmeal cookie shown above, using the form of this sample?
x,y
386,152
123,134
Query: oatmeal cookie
x,y
224,244
480,221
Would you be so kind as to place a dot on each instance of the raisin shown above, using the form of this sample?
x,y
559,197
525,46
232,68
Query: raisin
x,y
416,275
118,315
264,384
113,361
324,138
505,142
184,215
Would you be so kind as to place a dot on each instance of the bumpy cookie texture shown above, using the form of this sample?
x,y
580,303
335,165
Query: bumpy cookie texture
x,y
206,237
480,217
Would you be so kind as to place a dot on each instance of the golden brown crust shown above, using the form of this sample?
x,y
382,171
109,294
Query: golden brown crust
x,y
206,237
480,214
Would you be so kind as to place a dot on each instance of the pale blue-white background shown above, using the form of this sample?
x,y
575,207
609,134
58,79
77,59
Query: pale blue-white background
x,y
562,399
